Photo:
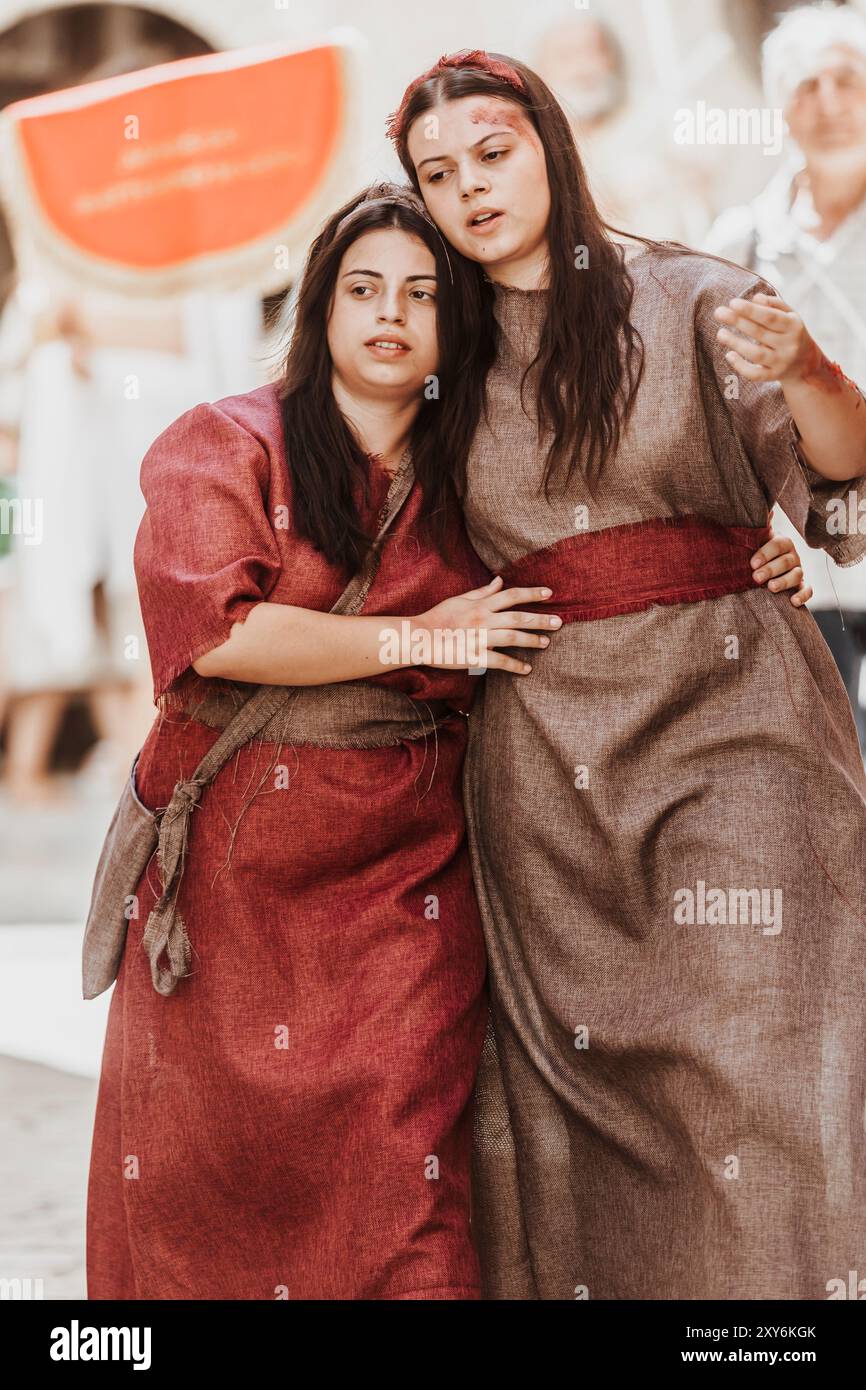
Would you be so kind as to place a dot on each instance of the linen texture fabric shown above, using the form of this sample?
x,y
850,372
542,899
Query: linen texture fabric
x,y
294,1120
667,823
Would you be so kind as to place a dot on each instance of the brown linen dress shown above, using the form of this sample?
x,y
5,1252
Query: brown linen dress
x,y
667,1109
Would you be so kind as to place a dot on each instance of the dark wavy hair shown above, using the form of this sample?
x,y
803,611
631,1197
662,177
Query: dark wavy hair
x,y
590,358
327,463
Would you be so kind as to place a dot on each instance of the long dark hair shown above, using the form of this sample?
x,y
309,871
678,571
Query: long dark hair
x,y
590,357
327,464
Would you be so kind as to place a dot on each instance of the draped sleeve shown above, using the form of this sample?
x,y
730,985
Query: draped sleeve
x,y
821,508
205,552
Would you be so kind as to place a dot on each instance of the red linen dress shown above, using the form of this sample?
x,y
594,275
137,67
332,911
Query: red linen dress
x,y
294,1121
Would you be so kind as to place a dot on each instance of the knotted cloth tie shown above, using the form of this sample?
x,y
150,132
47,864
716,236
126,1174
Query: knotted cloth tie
x,y
165,930
105,932
347,714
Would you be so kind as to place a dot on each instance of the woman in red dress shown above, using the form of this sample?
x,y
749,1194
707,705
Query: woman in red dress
x,y
294,1120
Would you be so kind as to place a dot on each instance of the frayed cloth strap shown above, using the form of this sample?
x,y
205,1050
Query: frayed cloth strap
x,y
165,931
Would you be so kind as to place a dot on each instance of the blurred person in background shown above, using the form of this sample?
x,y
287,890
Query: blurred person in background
x,y
31,715
116,371
639,178
115,374
806,234
10,411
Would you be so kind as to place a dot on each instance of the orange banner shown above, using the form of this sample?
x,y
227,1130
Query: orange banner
x,y
211,171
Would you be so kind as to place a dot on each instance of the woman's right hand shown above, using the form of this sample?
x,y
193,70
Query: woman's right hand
x,y
490,618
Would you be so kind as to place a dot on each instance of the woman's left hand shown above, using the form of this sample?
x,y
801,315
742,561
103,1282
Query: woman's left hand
x,y
777,564
767,341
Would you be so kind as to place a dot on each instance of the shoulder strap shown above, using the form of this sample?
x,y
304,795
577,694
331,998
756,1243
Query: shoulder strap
x,y
267,700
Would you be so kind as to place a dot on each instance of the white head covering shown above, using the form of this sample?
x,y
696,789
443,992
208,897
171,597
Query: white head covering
x,y
795,49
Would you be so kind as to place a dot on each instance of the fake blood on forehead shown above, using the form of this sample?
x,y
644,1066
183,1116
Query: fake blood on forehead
x,y
492,113
507,117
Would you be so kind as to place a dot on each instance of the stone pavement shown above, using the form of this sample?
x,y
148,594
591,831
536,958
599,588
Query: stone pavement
x,y
47,859
46,1120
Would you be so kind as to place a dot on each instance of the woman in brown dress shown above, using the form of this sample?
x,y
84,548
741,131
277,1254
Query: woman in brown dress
x,y
668,841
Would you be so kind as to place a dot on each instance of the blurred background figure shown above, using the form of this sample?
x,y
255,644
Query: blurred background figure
x,y
100,381
806,233
12,348
641,182
99,377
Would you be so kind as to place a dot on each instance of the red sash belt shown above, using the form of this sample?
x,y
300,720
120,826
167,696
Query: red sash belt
x,y
625,569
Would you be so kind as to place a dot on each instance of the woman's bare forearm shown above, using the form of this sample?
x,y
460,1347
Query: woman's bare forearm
x,y
279,644
768,341
830,414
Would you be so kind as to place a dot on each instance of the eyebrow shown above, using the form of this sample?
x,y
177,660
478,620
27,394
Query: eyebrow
x,y
493,135
377,275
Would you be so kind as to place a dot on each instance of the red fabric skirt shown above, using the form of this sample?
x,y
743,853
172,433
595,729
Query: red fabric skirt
x,y
295,1121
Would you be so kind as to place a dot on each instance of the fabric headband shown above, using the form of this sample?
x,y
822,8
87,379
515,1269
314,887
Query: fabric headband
x,y
397,199
466,58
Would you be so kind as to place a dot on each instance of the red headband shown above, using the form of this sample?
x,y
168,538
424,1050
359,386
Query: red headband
x,y
466,58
